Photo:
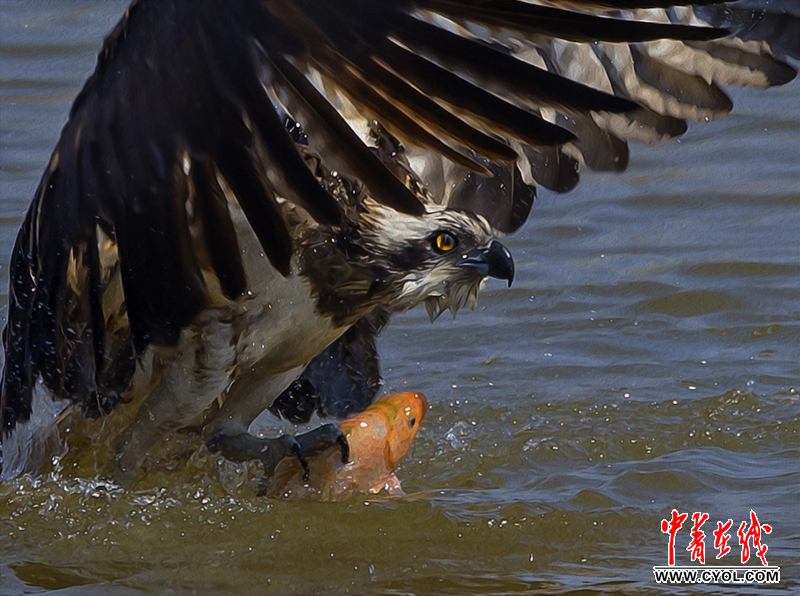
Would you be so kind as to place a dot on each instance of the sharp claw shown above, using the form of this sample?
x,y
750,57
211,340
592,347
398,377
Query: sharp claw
x,y
298,453
291,448
345,446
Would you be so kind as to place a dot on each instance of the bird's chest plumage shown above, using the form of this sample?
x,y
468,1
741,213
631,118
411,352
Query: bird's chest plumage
x,y
278,324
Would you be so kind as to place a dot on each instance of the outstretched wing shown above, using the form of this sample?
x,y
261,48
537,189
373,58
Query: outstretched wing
x,y
672,80
188,102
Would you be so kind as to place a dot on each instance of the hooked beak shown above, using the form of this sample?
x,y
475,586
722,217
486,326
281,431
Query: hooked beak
x,y
494,260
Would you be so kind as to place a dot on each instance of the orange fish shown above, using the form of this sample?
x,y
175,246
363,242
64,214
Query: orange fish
x,y
379,438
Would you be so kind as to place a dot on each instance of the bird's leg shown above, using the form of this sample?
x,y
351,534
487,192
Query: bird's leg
x,y
246,447
170,405
227,432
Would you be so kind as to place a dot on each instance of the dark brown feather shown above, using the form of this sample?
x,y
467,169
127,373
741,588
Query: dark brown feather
x,y
502,69
349,47
530,19
504,116
219,235
435,116
361,92
288,175
382,184
238,169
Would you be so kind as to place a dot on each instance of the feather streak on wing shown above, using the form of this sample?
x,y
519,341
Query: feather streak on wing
x,y
359,159
519,77
381,92
774,71
531,19
288,173
440,82
633,4
217,228
686,96
237,167
88,191
435,116
393,117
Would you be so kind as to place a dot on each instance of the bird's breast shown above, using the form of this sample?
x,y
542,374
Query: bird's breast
x,y
277,324
280,327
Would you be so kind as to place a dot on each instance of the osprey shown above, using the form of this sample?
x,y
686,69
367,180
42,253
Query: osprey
x,y
245,187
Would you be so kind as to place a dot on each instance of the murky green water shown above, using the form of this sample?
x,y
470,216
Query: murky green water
x,y
645,359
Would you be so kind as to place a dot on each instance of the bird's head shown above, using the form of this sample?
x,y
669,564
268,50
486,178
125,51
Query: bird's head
x,y
383,257
440,258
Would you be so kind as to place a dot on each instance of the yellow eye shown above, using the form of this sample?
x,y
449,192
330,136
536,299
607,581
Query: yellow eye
x,y
445,242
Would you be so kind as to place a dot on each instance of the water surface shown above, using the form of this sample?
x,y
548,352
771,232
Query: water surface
x,y
645,359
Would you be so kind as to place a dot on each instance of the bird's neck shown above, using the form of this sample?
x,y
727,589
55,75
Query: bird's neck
x,y
346,279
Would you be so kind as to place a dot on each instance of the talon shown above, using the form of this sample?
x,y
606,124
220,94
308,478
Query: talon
x,y
345,446
297,451
246,447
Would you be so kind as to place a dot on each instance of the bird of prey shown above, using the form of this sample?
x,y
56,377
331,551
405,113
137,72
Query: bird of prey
x,y
245,187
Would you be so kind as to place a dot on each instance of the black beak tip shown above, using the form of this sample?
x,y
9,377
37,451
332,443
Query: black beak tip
x,y
501,263
494,260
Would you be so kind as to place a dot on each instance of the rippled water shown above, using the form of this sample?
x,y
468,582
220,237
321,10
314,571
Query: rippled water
x,y
645,359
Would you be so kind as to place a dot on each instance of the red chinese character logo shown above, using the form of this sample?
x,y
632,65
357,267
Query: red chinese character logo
x,y
755,533
721,538
671,527
697,546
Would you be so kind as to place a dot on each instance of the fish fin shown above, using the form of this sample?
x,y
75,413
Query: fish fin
x,y
391,485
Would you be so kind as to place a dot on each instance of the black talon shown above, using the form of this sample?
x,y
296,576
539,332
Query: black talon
x,y
345,446
297,451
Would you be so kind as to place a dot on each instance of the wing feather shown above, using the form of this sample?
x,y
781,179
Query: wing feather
x,y
219,234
